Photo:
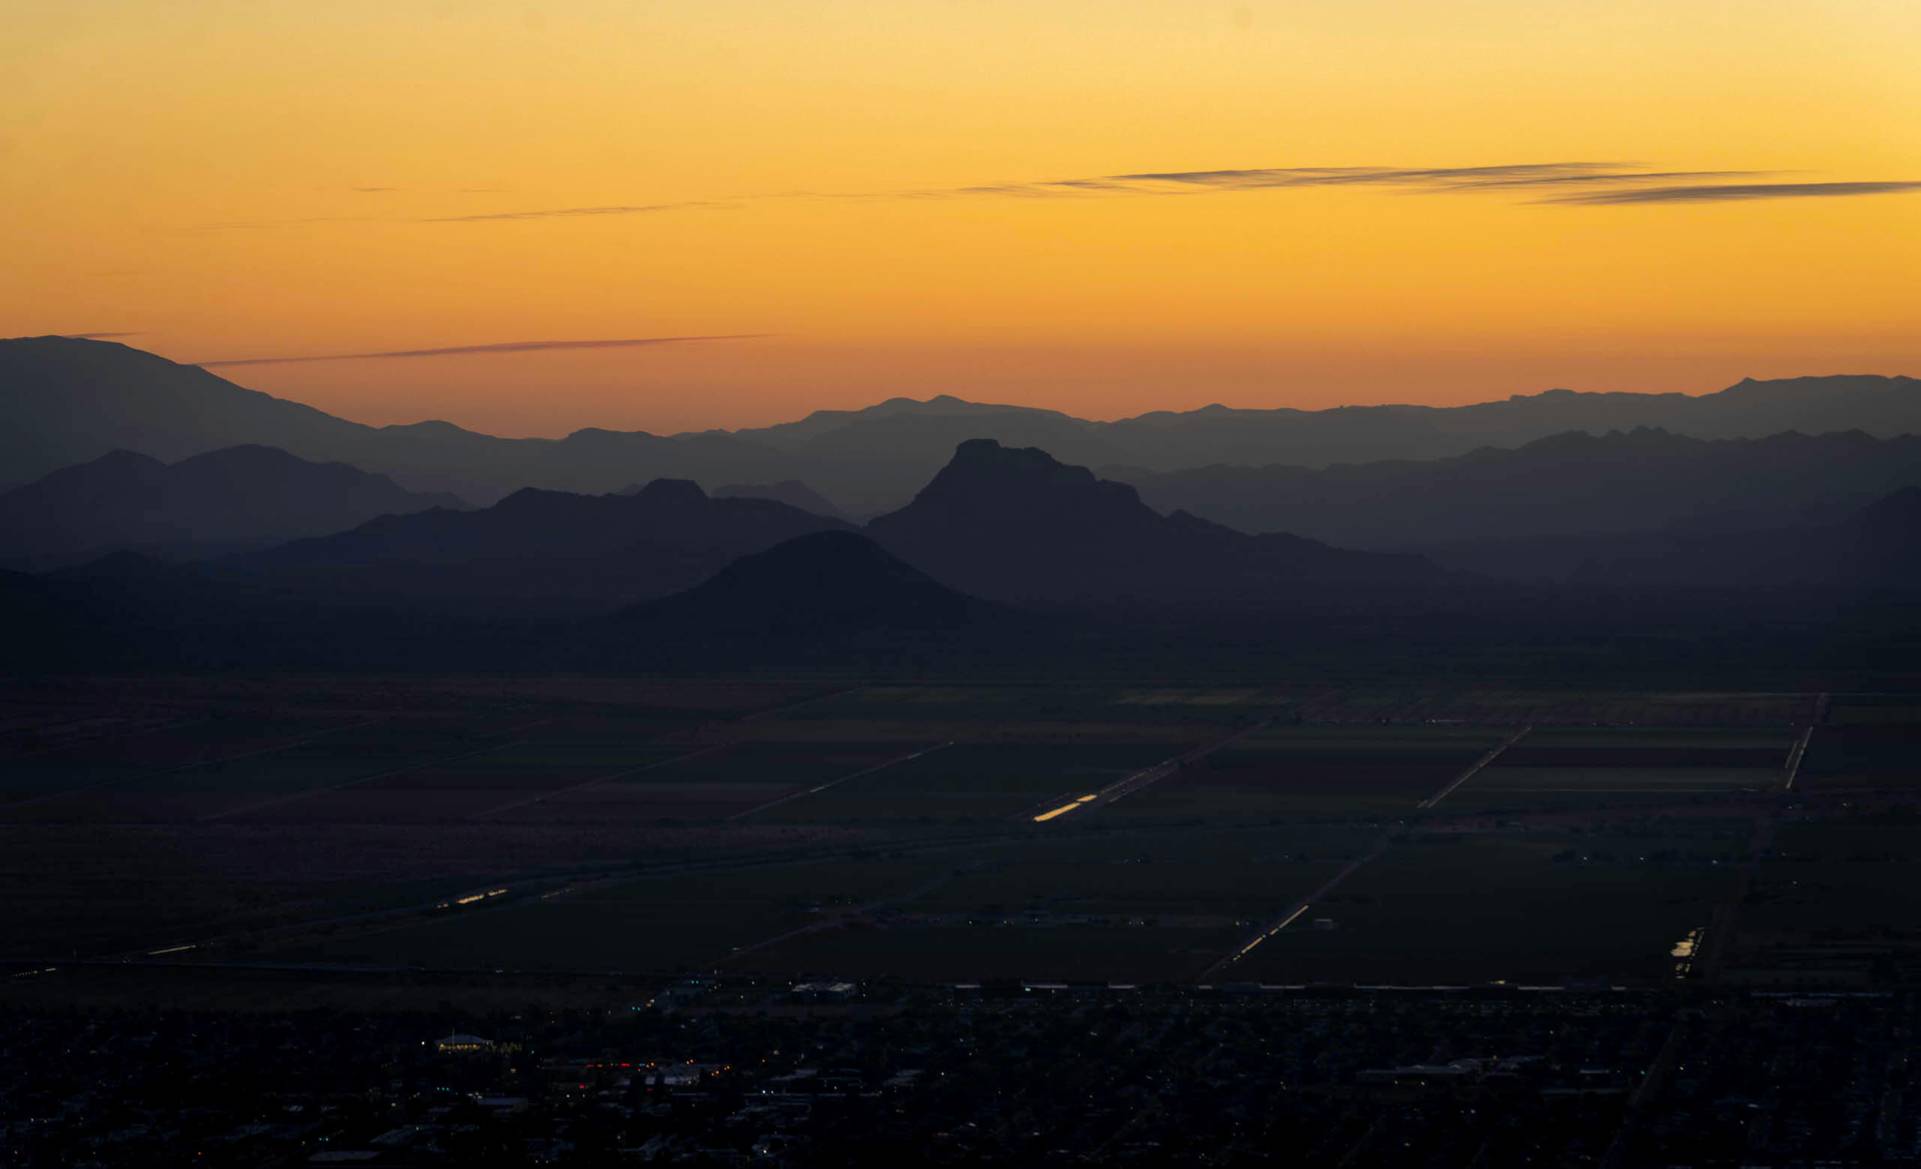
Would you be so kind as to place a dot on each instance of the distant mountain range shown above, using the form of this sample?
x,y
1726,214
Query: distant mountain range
x,y
1017,525
66,400
535,553
1602,544
1642,480
221,501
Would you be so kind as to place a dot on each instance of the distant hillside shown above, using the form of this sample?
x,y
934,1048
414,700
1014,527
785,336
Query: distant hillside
x,y
216,502
1016,525
66,400
826,598
1876,548
535,553
1635,481
792,492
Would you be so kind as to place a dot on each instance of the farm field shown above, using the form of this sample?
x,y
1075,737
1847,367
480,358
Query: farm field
x,y
944,833
1317,771
1530,908
980,781
1864,757
1575,768
1837,900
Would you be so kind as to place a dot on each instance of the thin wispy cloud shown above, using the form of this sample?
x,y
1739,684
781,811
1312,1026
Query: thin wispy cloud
x,y
1591,184
1735,192
1418,179
469,350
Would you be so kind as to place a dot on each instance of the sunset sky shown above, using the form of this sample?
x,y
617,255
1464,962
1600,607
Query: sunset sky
x,y
1104,206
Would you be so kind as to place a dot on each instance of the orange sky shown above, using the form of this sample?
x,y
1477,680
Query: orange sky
x,y
920,196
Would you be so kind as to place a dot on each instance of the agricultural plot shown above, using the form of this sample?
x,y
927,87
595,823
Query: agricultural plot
x,y
1863,757
1874,710
1314,771
1114,706
1117,905
1519,708
1834,902
716,783
72,780
271,777
966,947
691,921
1451,910
1588,767
95,890
980,781
497,773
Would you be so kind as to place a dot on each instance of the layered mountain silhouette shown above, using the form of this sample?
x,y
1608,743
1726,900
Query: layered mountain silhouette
x,y
66,400
1017,525
791,492
222,501
1642,480
535,553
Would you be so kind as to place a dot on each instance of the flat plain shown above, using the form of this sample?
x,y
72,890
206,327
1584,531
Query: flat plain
x,y
1284,833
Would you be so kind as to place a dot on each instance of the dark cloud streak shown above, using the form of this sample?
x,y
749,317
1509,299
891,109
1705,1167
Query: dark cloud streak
x,y
498,347
1732,193
1595,184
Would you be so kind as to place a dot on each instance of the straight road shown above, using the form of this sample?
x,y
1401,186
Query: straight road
x,y
1296,910
1475,770
833,783
1140,780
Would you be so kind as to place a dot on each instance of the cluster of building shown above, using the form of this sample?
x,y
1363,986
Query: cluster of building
x,y
832,1072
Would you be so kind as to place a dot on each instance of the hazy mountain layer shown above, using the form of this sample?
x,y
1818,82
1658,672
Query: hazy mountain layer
x,y
218,501
535,554
65,400
1634,481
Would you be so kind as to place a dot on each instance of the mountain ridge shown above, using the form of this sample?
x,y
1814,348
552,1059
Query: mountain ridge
x,y
1015,524
1573,482
206,504
67,400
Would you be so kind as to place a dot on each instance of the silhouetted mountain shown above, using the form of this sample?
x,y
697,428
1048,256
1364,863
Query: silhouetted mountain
x,y
874,458
64,400
535,552
1017,525
830,597
1641,480
888,448
220,501
791,492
